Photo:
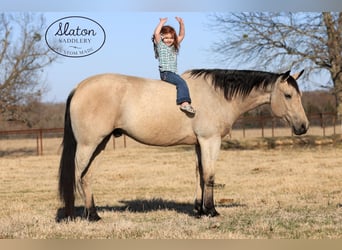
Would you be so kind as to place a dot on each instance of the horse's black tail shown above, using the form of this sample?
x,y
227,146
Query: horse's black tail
x,y
67,181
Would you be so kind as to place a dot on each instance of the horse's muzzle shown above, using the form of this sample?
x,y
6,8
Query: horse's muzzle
x,y
300,130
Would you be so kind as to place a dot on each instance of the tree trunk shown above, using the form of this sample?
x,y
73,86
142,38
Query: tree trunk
x,y
338,93
334,44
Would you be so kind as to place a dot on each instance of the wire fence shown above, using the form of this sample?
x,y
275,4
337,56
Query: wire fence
x,y
48,141
322,124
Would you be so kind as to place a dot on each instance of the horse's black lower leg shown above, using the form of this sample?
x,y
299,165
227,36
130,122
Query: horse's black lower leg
x,y
208,207
211,212
90,212
198,208
205,205
205,211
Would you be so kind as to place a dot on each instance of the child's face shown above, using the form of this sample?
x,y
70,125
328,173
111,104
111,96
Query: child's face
x,y
168,39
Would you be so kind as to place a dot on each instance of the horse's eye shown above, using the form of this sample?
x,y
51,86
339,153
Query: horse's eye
x,y
288,96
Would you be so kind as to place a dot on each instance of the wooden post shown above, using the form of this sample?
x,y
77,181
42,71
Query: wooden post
x,y
321,115
41,141
37,141
272,127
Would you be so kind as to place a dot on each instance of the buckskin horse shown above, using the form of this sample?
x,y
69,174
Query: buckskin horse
x,y
145,110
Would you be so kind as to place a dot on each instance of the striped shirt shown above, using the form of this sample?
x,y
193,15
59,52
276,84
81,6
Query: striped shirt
x,y
167,57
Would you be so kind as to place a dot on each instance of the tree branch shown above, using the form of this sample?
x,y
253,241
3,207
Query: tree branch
x,y
22,58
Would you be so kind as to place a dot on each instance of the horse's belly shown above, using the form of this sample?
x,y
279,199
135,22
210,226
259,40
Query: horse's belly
x,y
163,139
161,135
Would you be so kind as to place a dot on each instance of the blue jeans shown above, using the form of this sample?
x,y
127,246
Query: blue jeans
x,y
181,86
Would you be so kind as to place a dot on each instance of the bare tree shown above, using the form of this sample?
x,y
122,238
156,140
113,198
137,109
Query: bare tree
x,y
23,56
282,41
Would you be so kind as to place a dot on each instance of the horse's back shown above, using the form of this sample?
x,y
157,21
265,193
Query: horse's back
x,y
144,108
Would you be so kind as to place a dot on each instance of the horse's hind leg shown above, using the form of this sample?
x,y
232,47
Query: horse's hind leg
x,y
90,209
85,156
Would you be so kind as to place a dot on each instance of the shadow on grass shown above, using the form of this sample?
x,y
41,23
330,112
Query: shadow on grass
x,y
143,206
135,206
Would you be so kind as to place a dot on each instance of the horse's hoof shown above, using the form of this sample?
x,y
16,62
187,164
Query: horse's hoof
x,y
198,214
214,214
198,210
94,217
206,212
91,216
211,212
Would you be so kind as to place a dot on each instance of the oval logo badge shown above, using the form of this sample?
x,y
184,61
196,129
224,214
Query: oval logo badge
x,y
75,36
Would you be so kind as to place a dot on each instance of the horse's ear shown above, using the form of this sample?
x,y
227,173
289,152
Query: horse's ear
x,y
285,76
297,75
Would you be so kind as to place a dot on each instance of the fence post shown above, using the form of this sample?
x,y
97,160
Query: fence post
x,y
41,141
124,141
37,141
321,115
272,127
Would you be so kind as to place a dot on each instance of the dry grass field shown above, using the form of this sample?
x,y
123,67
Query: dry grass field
x,y
148,192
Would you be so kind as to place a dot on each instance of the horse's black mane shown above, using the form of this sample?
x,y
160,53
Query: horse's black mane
x,y
242,82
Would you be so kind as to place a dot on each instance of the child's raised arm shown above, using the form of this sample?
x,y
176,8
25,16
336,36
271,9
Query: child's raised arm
x,y
181,34
157,36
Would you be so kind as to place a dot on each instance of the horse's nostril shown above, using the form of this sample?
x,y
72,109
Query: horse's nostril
x,y
302,129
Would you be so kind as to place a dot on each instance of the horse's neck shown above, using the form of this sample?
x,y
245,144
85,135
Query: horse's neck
x,y
255,99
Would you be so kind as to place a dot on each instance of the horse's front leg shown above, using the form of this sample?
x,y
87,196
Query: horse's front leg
x,y
199,182
207,154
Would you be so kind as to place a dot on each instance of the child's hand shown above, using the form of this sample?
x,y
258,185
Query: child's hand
x,y
179,19
163,19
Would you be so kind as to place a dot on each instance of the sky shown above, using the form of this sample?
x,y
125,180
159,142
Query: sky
x,y
128,26
128,48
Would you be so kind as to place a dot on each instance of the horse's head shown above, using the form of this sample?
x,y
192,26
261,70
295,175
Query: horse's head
x,y
286,102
